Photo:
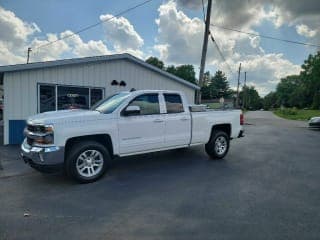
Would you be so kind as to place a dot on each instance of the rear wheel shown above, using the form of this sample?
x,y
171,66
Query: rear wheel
x,y
87,161
218,145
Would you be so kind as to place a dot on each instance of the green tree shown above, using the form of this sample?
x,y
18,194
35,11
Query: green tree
x,y
253,100
171,69
270,101
289,94
302,90
311,78
216,86
185,72
155,62
205,89
316,101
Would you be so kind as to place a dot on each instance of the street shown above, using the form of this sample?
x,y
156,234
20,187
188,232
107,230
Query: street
x,y
267,187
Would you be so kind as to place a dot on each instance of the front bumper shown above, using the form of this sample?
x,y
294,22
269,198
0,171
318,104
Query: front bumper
x,y
44,159
314,125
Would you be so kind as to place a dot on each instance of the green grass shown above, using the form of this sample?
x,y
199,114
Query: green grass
x,y
296,114
213,105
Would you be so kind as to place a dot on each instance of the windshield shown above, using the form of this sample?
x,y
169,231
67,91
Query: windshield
x,y
109,104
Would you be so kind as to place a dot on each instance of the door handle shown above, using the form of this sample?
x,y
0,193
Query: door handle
x,y
158,121
184,119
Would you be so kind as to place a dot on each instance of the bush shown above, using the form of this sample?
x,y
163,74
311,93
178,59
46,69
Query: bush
x,y
289,111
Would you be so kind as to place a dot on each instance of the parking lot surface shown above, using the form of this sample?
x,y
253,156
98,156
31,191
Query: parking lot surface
x,y
266,188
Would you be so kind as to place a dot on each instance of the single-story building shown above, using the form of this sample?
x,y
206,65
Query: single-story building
x,y
75,83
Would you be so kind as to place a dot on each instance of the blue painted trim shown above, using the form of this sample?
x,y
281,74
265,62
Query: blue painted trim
x,y
16,131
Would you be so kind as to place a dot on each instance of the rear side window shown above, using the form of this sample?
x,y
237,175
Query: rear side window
x,y
148,103
173,103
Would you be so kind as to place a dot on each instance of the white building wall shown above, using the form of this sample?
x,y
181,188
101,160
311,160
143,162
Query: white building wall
x,y
21,93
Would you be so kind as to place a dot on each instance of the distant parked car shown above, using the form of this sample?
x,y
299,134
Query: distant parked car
x,y
314,122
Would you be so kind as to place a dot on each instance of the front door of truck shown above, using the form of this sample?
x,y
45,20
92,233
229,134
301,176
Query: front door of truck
x,y
142,130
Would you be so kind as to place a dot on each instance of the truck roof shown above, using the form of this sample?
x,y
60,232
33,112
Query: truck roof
x,y
154,91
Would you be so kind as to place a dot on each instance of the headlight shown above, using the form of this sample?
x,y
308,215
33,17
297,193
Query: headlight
x,y
48,128
45,139
40,134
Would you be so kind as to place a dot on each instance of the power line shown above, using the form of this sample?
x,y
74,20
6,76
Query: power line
x,y
96,24
265,36
220,52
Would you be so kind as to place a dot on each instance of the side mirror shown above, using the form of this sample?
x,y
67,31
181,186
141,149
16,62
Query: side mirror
x,y
132,110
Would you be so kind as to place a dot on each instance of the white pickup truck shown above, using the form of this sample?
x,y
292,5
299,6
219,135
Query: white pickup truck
x,y
83,142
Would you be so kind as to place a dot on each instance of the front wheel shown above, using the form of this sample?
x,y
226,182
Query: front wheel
x,y
87,161
218,145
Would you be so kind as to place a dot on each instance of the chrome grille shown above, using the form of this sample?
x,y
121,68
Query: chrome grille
x,y
36,128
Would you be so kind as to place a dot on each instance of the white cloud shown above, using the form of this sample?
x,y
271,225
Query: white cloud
x,y
121,33
17,35
180,39
7,57
304,15
255,41
304,30
14,31
83,49
191,4
265,71
14,34
50,52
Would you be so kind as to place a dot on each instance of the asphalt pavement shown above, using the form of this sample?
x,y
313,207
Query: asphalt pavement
x,y
266,188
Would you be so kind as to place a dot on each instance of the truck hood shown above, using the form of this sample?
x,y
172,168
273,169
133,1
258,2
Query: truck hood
x,y
74,115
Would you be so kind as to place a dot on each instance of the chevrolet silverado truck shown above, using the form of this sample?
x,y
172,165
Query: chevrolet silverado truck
x,y
83,142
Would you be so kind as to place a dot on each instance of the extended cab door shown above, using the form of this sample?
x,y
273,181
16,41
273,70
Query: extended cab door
x,y
178,121
142,131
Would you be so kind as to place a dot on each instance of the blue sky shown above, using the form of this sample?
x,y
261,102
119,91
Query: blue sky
x,y
176,37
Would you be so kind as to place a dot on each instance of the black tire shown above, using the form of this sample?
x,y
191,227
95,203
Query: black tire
x,y
85,147
212,148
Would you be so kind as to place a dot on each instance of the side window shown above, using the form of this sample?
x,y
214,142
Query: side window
x,y
96,95
148,103
173,103
47,98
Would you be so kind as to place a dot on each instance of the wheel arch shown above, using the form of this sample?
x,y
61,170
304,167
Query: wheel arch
x,y
103,139
225,127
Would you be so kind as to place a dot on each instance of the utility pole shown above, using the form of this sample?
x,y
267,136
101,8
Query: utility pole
x,y
244,90
204,51
237,102
28,57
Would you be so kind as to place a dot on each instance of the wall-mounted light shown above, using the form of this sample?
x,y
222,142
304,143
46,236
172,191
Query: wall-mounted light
x,y
114,83
123,84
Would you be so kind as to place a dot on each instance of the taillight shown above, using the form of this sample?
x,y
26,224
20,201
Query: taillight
x,y
241,119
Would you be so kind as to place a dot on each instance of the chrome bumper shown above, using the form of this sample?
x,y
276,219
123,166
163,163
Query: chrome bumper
x,y
52,155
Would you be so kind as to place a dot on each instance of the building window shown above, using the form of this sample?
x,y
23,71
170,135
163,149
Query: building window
x,y
47,98
96,95
148,103
173,103
59,97
73,98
